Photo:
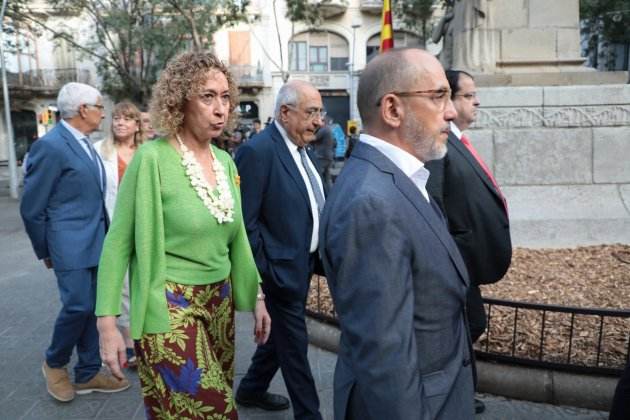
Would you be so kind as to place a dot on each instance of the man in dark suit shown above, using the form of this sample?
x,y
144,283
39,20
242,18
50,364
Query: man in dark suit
x,y
282,199
396,277
63,210
476,210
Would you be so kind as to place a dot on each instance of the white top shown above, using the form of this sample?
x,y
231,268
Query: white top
x,y
406,162
111,174
295,154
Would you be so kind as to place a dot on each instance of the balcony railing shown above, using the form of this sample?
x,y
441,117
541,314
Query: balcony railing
x,y
47,79
330,8
247,75
372,6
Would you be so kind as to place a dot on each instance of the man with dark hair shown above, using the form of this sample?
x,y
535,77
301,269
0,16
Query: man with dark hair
x,y
324,150
396,277
476,211
256,127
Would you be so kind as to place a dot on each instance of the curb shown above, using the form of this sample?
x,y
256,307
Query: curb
x,y
524,383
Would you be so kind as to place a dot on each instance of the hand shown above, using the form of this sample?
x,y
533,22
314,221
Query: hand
x,y
262,325
48,263
111,345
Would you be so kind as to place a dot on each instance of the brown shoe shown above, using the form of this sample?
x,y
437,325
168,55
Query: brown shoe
x,y
58,383
102,383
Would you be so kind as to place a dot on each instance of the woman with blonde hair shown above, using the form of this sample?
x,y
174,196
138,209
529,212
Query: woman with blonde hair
x,y
116,152
179,228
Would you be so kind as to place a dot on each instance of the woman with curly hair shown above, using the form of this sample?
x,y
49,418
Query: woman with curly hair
x,y
116,152
178,225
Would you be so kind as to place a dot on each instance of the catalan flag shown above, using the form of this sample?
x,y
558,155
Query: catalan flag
x,y
387,32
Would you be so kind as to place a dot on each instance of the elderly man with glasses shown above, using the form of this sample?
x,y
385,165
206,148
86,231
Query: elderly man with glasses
x,y
283,197
396,277
63,209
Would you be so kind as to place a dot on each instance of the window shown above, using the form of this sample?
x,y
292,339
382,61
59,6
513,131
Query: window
x,y
318,59
401,40
297,55
326,52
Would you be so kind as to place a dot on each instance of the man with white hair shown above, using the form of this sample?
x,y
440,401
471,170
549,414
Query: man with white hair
x,y
64,214
283,197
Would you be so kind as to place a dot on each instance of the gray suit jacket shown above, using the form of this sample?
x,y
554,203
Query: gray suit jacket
x,y
399,284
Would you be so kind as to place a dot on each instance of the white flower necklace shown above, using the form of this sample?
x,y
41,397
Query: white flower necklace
x,y
220,202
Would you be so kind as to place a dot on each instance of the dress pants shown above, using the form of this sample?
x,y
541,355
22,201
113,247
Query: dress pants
x,y
476,312
620,409
477,320
286,349
76,324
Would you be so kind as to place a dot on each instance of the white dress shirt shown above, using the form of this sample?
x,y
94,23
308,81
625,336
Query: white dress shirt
x,y
406,162
455,130
295,154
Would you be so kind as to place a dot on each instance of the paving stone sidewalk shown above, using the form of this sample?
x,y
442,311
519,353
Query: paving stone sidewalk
x,y
30,302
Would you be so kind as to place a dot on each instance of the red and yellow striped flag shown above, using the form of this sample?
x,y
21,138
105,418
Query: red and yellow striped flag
x,y
387,32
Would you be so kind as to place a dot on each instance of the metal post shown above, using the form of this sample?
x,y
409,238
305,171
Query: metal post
x,y
355,24
13,178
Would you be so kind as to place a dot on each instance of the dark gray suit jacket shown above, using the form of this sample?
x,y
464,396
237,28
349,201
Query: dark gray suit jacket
x,y
399,284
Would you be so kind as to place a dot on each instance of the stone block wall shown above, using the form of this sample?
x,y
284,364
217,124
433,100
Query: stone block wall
x,y
561,155
537,35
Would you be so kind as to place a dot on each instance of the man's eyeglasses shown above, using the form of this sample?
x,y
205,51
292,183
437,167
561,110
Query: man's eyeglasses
x,y
311,113
467,96
101,107
440,97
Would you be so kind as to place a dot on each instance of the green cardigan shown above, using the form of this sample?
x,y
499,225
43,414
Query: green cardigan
x,y
162,231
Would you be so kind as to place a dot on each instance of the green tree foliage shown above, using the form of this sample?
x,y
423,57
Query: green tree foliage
x,y
306,11
611,17
604,22
415,16
133,39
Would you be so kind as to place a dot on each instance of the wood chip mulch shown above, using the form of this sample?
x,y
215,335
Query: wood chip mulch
x,y
583,277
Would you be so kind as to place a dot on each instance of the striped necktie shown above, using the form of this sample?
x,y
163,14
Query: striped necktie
x,y
95,160
319,196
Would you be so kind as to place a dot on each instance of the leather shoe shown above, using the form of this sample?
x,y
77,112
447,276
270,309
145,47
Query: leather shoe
x,y
102,383
58,383
480,407
266,401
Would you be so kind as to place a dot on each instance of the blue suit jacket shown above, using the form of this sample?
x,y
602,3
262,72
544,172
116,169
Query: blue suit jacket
x,y
277,214
63,206
398,284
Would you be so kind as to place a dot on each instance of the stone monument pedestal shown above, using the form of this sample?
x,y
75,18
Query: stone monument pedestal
x,y
513,37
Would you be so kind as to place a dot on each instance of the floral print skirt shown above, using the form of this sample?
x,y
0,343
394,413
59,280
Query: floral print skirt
x,y
187,373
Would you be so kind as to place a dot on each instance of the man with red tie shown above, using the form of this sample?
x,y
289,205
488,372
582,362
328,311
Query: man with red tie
x,y
476,210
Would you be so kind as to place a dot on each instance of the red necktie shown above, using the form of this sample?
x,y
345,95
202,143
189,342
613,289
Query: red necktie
x,y
485,168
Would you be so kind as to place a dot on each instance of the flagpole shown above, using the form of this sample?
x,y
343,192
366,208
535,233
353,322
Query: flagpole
x,y
387,31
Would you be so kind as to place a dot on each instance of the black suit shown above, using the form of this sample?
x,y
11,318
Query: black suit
x,y
477,219
279,224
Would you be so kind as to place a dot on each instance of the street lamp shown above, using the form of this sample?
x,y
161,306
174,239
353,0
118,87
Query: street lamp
x,y
13,183
356,23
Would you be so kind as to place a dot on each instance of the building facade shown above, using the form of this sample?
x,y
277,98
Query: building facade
x,y
37,65
270,50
